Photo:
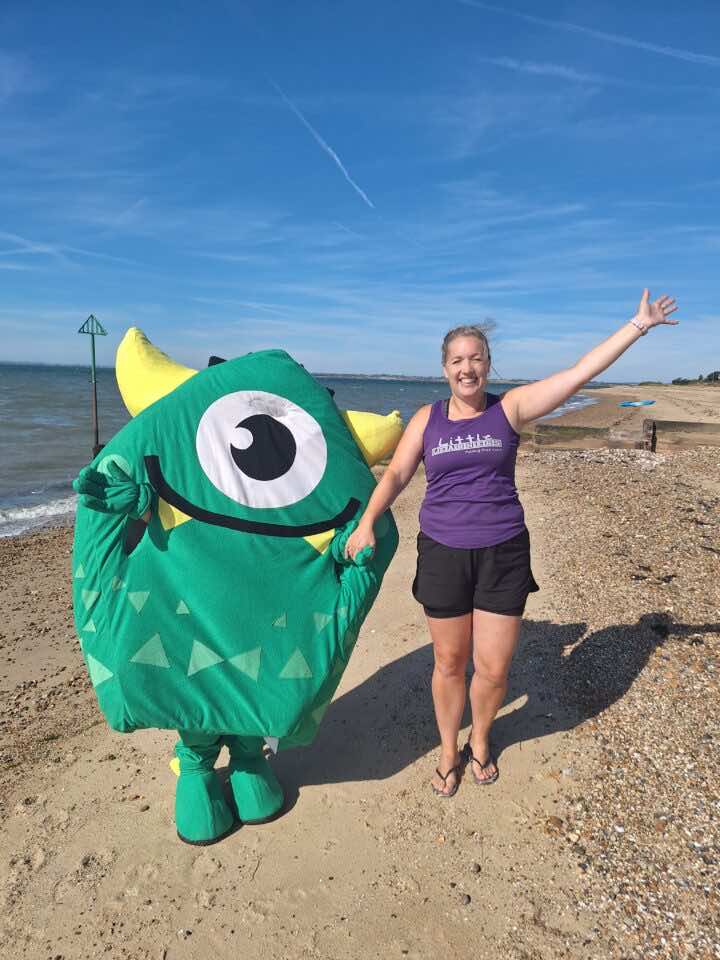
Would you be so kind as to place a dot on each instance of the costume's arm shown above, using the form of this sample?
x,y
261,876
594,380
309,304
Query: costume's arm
x,y
533,400
359,580
116,493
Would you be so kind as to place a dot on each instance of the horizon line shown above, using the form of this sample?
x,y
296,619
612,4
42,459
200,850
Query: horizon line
x,y
364,376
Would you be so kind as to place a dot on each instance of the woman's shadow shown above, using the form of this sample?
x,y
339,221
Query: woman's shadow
x,y
565,675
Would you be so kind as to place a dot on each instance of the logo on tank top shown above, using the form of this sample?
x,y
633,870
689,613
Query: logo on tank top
x,y
467,444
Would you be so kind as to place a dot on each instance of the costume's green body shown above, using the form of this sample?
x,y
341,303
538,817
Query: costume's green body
x,y
232,626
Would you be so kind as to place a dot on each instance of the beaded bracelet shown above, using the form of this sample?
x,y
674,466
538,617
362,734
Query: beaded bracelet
x,y
640,325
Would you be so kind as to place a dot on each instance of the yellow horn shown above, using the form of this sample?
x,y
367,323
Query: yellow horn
x,y
377,436
144,373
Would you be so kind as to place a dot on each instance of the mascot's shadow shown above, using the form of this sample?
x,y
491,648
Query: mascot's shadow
x,y
563,674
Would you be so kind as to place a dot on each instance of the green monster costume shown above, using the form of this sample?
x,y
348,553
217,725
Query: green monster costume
x,y
231,615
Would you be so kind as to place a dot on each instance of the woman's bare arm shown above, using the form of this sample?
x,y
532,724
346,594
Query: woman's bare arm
x,y
533,400
396,477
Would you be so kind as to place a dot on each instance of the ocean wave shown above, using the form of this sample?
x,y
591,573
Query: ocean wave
x,y
50,502
16,520
574,403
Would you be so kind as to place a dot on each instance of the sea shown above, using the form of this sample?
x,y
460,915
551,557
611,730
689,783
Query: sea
x,y
46,429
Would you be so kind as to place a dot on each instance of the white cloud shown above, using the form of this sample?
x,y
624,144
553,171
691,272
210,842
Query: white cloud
x,y
547,70
14,266
480,123
688,55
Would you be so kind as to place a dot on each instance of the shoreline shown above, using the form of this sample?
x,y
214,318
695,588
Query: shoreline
x,y
38,517
689,403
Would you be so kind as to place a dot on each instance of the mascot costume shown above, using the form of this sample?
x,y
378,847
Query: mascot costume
x,y
211,591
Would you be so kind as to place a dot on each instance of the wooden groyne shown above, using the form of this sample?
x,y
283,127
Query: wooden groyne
x,y
648,435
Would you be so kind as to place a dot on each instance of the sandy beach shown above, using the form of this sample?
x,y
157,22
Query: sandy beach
x,y
601,838
694,403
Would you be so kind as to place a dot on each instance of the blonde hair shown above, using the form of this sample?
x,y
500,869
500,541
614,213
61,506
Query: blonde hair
x,y
469,330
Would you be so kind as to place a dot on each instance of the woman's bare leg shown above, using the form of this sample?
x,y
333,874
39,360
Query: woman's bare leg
x,y
495,637
452,643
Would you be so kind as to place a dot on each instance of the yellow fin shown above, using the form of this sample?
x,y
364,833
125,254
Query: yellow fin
x,y
144,373
321,541
377,436
170,516
175,766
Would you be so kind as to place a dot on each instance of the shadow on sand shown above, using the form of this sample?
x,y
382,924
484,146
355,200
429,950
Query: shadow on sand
x,y
564,674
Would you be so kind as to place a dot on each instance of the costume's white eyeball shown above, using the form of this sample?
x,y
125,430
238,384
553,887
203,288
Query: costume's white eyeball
x,y
260,449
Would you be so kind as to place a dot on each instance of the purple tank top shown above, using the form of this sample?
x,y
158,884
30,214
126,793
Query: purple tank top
x,y
471,499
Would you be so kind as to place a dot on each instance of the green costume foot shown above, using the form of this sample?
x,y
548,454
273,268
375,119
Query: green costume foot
x,y
257,791
202,816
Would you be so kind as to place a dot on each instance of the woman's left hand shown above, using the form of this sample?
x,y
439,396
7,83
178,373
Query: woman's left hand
x,y
653,314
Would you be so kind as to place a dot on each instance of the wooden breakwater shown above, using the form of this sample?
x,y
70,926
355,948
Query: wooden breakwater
x,y
647,435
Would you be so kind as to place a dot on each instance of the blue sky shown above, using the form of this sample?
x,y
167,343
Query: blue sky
x,y
348,180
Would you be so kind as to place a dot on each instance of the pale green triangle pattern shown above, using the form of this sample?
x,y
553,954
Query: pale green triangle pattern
x,y
117,583
321,621
319,712
201,657
89,597
80,572
99,673
138,599
152,653
342,613
89,627
296,668
248,662
281,621
182,607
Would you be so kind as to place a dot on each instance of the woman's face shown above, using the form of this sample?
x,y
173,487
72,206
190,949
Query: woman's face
x,y
466,367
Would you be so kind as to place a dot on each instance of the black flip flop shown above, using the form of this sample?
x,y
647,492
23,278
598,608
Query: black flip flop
x,y
443,776
470,758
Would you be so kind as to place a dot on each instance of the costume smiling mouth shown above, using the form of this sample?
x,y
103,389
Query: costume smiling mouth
x,y
164,490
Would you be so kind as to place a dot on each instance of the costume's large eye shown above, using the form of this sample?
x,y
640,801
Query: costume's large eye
x,y
260,449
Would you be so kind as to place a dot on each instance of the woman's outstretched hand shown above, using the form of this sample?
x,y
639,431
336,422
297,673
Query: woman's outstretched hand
x,y
657,312
359,539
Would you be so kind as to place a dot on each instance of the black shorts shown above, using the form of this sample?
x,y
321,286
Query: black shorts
x,y
451,581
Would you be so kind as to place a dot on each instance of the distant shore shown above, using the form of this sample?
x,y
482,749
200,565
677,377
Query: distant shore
x,y
414,378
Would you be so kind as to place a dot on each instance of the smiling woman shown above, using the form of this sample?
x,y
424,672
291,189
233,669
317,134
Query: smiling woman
x,y
473,571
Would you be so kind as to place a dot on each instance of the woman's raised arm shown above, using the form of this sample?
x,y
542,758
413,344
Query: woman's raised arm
x,y
533,400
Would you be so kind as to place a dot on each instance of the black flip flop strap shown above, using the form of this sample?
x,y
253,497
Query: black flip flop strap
x,y
473,759
483,766
444,776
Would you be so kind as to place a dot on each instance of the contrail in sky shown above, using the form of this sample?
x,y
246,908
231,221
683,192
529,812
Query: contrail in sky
x,y
326,147
688,55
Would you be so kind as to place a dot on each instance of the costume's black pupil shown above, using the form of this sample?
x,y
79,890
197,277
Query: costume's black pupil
x,y
272,451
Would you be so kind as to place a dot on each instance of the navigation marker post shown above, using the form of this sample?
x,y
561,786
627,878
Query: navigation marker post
x,y
94,328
